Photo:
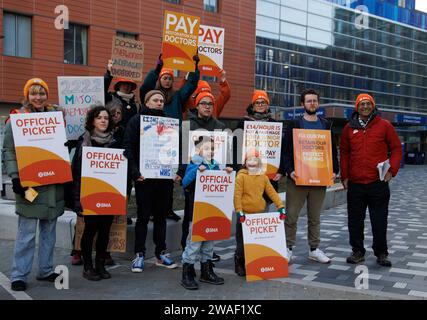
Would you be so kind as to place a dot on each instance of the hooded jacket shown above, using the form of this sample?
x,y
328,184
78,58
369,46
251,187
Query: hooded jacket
x,y
249,190
361,149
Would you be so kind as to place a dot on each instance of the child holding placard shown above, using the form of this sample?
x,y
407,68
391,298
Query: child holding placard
x,y
251,184
201,161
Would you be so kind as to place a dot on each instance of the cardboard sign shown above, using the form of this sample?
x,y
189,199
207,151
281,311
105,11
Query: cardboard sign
x,y
213,205
128,58
76,95
313,157
104,181
40,152
265,246
220,142
159,147
180,37
265,137
118,233
211,50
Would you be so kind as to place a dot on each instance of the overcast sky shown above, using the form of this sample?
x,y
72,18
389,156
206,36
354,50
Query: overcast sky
x,y
421,5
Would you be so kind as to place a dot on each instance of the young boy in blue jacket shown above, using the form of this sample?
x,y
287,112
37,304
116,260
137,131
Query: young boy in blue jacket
x,y
202,160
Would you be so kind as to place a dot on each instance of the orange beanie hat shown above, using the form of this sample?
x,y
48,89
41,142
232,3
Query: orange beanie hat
x,y
35,81
204,94
260,94
363,96
166,71
202,86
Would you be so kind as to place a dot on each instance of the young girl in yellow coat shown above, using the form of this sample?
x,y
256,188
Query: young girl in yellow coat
x,y
250,186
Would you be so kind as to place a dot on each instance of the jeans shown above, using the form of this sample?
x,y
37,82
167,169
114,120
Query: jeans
x,y
25,245
193,249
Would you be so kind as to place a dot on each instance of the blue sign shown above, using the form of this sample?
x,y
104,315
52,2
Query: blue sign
x,y
412,119
297,113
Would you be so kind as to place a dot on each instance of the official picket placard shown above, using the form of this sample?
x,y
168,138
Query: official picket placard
x,y
180,38
220,144
159,147
211,50
128,58
76,95
39,141
313,157
264,246
104,181
117,238
213,205
265,137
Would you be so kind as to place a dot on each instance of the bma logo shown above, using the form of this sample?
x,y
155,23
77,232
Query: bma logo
x,y
267,269
46,174
211,230
103,205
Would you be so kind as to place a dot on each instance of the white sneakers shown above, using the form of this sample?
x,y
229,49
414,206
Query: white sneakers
x,y
289,255
319,256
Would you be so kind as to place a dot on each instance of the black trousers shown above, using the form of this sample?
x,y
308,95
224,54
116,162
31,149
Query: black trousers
x,y
188,217
240,251
93,225
152,199
374,196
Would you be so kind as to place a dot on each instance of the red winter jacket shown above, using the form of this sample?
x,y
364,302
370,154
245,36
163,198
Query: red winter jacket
x,y
362,149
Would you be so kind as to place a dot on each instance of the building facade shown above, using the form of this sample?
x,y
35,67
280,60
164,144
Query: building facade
x,y
33,47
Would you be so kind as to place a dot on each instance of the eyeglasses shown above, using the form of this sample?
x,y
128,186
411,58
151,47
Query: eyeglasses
x,y
206,104
260,103
365,103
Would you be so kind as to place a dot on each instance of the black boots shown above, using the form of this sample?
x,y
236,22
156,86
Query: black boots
x,y
208,274
100,269
239,266
188,274
89,272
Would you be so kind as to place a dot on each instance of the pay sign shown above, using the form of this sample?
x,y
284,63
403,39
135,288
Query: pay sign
x,y
211,50
180,38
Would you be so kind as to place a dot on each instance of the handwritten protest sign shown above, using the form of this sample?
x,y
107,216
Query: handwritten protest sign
x,y
76,95
180,37
265,246
128,58
104,181
313,157
41,155
213,205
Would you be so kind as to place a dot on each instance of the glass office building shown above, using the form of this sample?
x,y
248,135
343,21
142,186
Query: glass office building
x,y
342,48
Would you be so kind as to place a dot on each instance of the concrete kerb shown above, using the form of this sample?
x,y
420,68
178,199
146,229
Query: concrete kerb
x,y
335,196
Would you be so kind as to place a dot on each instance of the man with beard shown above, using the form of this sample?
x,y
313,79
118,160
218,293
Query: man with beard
x,y
297,195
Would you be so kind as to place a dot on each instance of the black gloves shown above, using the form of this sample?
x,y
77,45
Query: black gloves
x,y
17,187
196,60
159,65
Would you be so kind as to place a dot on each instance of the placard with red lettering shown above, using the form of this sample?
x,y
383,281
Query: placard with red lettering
x,y
266,138
104,181
180,37
76,95
220,144
211,50
40,152
213,205
128,58
265,246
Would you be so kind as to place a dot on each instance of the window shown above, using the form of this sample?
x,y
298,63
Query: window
x,y
17,35
173,1
75,44
126,35
402,3
209,78
175,73
210,5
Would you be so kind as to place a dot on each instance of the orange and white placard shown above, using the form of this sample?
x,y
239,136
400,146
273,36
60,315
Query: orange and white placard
x,y
39,141
104,181
265,246
266,138
211,50
180,38
220,144
213,205
312,157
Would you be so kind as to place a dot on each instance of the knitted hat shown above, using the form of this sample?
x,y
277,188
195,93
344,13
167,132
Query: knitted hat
x,y
260,94
204,94
363,96
166,71
35,81
202,86
124,80
151,93
252,153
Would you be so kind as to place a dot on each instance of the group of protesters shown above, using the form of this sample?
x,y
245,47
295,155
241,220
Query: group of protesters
x,y
365,141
